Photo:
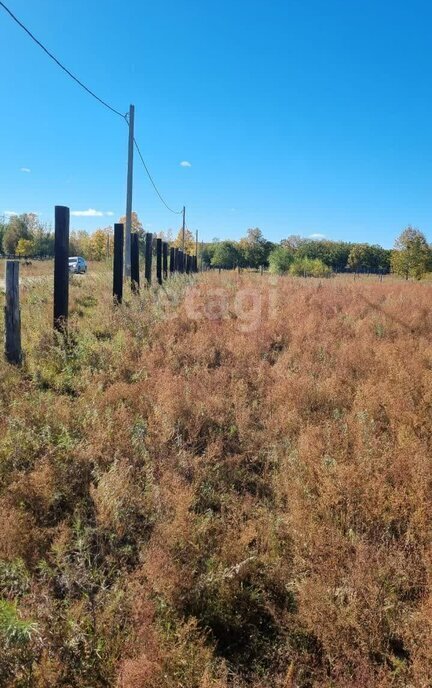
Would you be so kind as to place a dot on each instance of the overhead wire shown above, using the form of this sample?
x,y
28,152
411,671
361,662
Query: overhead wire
x,y
94,95
65,69
175,212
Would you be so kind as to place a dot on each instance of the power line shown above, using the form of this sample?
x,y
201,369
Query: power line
x,y
80,83
90,92
175,212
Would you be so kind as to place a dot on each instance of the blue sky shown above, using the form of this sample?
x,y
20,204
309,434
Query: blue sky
x,y
298,116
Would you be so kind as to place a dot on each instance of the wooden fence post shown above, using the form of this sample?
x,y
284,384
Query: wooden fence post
x,y
135,276
188,262
159,260
118,263
148,257
12,314
61,267
165,260
176,259
172,260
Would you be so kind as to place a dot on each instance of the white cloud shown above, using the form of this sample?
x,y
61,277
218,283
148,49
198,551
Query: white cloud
x,y
316,236
185,163
9,213
25,169
91,212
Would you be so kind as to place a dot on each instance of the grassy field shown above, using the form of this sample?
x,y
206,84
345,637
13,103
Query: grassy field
x,y
223,483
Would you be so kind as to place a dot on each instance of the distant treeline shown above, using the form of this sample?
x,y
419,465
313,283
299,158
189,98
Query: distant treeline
x,y
411,256
254,250
25,235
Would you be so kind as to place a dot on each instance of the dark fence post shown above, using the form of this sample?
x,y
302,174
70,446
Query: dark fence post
x,y
148,257
165,260
135,276
187,263
61,267
172,260
176,259
159,260
12,314
118,263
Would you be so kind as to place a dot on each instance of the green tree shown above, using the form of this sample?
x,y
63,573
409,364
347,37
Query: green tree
x,y
18,227
280,260
206,253
370,258
332,253
309,267
359,257
254,249
43,241
411,256
226,255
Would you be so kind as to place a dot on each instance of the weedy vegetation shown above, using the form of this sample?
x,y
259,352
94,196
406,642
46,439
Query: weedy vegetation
x,y
225,482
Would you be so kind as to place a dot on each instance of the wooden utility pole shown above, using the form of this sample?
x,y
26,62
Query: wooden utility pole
x,y
12,314
61,267
127,266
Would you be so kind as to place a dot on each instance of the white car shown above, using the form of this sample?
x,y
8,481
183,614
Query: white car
x,y
77,265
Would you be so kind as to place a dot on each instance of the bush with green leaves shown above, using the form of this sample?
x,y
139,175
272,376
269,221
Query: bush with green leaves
x,y
280,260
308,267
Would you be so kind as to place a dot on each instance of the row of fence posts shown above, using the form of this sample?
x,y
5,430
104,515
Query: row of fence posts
x,y
179,262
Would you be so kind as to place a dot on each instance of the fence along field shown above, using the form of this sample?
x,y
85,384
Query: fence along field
x,y
180,262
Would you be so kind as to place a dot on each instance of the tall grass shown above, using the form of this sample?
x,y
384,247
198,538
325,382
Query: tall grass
x,y
226,482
